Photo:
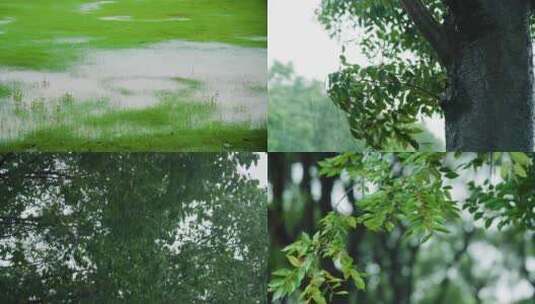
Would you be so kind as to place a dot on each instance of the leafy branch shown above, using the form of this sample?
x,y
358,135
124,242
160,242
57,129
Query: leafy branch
x,y
410,190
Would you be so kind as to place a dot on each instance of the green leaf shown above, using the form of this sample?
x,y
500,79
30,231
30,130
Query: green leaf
x,y
519,170
358,280
318,298
295,261
283,272
426,238
521,158
451,175
278,294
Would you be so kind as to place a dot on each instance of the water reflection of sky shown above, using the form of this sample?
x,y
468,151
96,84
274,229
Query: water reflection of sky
x,y
233,77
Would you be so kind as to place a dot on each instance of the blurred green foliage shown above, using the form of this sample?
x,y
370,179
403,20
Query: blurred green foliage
x,y
301,116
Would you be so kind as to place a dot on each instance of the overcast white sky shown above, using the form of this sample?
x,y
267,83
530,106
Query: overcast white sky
x,y
260,171
296,36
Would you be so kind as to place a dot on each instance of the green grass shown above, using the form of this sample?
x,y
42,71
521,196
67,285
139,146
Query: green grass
x,y
216,137
55,34
36,37
5,91
175,124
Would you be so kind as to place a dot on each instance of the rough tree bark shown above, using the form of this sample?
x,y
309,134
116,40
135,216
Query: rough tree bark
x,y
485,46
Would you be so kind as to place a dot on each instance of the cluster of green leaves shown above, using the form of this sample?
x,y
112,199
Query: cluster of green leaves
x,y
403,81
417,194
507,203
412,189
383,102
304,257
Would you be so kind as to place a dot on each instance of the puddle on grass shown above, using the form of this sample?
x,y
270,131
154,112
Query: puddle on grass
x,y
72,40
164,19
254,38
230,76
142,85
93,6
116,18
130,19
6,20
226,72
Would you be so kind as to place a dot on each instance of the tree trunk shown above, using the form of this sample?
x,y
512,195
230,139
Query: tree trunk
x,y
307,224
489,101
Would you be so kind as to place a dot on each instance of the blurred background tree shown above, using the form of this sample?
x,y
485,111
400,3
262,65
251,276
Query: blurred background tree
x,y
470,264
303,118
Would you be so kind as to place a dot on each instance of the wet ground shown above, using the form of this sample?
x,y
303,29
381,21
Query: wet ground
x,y
186,75
233,77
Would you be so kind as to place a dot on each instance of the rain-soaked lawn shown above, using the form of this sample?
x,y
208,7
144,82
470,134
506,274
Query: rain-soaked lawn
x,y
157,75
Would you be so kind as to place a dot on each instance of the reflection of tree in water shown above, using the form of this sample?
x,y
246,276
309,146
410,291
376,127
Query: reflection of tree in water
x,y
147,228
471,264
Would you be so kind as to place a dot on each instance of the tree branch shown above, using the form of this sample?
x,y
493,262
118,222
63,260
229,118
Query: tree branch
x,y
430,28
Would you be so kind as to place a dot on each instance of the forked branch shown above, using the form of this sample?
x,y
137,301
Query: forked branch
x,y
430,28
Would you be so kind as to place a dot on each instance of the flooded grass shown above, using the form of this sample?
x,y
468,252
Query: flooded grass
x,y
5,91
132,78
133,75
33,32
172,125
